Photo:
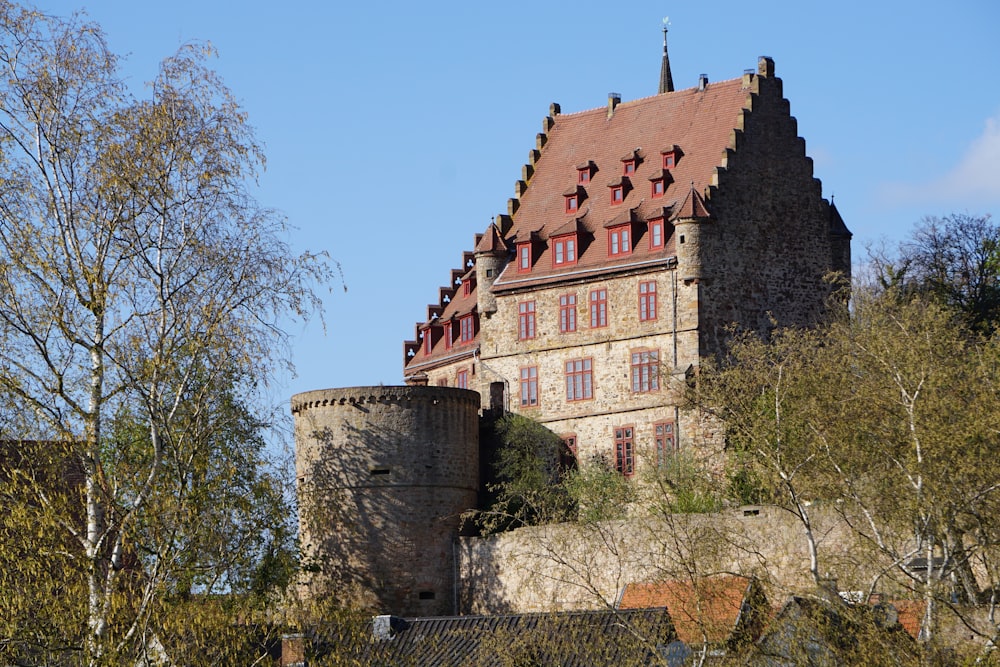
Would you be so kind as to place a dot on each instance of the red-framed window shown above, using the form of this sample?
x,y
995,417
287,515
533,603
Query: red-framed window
x,y
467,287
625,450
468,325
645,371
529,386
523,257
567,313
656,239
647,301
564,250
628,167
669,160
619,241
526,320
659,187
428,341
598,308
666,441
572,203
462,379
583,175
446,334
579,379
617,194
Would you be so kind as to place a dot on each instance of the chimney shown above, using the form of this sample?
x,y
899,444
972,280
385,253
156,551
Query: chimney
x,y
765,66
386,627
702,82
614,99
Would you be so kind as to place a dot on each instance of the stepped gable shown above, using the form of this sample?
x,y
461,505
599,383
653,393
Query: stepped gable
x,y
698,124
454,303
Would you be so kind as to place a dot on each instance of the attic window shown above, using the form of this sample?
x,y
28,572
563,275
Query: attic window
x,y
583,175
564,250
524,257
619,241
659,187
467,287
572,203
656,234
628,167
617,194
670,156
446,328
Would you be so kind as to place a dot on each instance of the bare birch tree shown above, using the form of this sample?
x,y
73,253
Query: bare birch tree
x,y
137,275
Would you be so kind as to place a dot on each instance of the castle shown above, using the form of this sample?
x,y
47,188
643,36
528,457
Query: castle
x,y
639,234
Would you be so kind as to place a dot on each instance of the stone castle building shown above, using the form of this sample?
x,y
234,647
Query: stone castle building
x,y
639,234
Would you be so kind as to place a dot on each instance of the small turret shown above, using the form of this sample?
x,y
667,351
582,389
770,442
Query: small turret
x,y
689,222
491,257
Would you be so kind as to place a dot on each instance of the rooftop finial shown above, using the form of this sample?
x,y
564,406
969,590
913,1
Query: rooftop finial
x,y
666,80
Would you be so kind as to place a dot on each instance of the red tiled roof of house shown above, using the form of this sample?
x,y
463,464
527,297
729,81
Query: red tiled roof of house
x,y
707,610
910,612
696,124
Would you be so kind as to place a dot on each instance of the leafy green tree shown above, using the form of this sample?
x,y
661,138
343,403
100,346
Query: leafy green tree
x,y
142,296
528,471
890,415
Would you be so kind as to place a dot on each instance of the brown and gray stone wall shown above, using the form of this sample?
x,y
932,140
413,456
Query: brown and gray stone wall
x,y
673,335
585,566
384,474
770,246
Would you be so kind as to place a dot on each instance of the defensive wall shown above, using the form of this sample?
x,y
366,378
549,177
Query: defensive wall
x,y
586,565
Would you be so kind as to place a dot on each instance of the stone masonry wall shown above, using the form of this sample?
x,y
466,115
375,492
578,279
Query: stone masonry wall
x,y
767,252
609,348
384,474
585,566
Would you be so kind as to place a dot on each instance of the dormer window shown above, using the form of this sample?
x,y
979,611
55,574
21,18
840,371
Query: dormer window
x,y
670,156
583,176
617,194
468,328
428,341
524,257
656,230
658,188
572,203
619,241
446,334
467,287
564,250
628,167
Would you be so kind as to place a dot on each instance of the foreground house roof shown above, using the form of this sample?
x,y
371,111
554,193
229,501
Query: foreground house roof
x,y
712,610
570,639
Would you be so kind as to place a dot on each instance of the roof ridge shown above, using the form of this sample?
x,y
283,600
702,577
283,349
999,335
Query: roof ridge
x,y
646,98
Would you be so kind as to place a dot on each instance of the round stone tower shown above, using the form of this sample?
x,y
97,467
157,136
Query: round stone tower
x,y
384,474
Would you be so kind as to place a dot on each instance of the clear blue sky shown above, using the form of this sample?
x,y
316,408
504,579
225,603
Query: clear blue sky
x,y
394,131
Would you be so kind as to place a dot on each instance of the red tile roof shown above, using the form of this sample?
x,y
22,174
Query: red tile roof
x,y
711,606
698,123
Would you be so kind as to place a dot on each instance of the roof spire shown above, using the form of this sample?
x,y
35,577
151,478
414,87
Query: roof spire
x,y
666,80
